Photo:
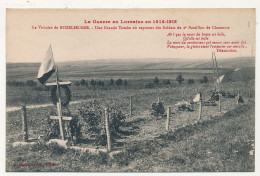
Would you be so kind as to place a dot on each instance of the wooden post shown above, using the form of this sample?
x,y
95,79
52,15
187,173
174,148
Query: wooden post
x,y
168,118
249,93
200,106
94,104
238,98
131,106
59,106
158,99
219,102
24,122
107,129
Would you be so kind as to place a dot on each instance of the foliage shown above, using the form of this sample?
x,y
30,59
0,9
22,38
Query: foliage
x,y
93,83
204,80
191,81
119,82
158,109
72,128
117,119
94,123
100,83
180,78
167,82
31,83
111,82
156,80
83,82
125,82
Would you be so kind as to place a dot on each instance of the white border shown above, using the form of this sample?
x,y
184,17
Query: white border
x,y
119,4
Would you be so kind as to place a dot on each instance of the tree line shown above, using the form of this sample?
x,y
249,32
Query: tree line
x,y
180,79
94,83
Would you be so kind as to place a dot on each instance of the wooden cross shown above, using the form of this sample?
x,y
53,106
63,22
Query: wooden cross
x,y
59,110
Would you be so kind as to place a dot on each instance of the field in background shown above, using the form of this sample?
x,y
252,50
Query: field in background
x,y
137,74
219,142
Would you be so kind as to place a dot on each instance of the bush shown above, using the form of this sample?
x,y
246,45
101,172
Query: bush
x,y
83,82
119,82
100,83
31,83
117,119
156,80
180,79
73,132
158,109
93,83
191,81
204,80
77,83
111,82
94,123
125,82
167,82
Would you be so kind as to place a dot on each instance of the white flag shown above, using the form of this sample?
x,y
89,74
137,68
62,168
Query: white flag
x,y
47,67
220,79
197,98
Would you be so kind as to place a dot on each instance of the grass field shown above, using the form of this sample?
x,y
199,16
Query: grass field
x,y
220,141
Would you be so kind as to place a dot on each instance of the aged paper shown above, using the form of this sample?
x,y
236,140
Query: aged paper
x,y
141,90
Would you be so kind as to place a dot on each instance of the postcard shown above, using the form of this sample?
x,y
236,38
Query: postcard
x,y
130,90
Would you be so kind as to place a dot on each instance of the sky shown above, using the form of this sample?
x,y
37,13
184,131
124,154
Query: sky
x,y
25,44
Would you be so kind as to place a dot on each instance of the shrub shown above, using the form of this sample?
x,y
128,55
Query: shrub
x,y
167,82
119,82
180,79
100,83
73,132
125,82
158,109
204,80
31,83
83,82
93,83
156,80
191,81
117,119
111,82
77,83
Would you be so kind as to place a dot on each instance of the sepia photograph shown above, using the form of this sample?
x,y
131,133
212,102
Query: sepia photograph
x,y
130,90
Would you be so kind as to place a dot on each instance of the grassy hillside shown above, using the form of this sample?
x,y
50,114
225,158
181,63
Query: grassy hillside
x,y
223,143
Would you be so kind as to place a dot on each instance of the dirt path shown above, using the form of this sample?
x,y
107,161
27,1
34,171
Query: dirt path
x,y
16,108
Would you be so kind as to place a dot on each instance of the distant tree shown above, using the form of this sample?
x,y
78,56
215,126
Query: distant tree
x,y
83,82
180,79
204,80
119,82
167,82
31,83
100,83
156,80
112,82
77,83
191,81
93,83
125,82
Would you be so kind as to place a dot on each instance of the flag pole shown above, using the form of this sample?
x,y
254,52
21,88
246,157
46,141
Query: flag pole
x,y
59,104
